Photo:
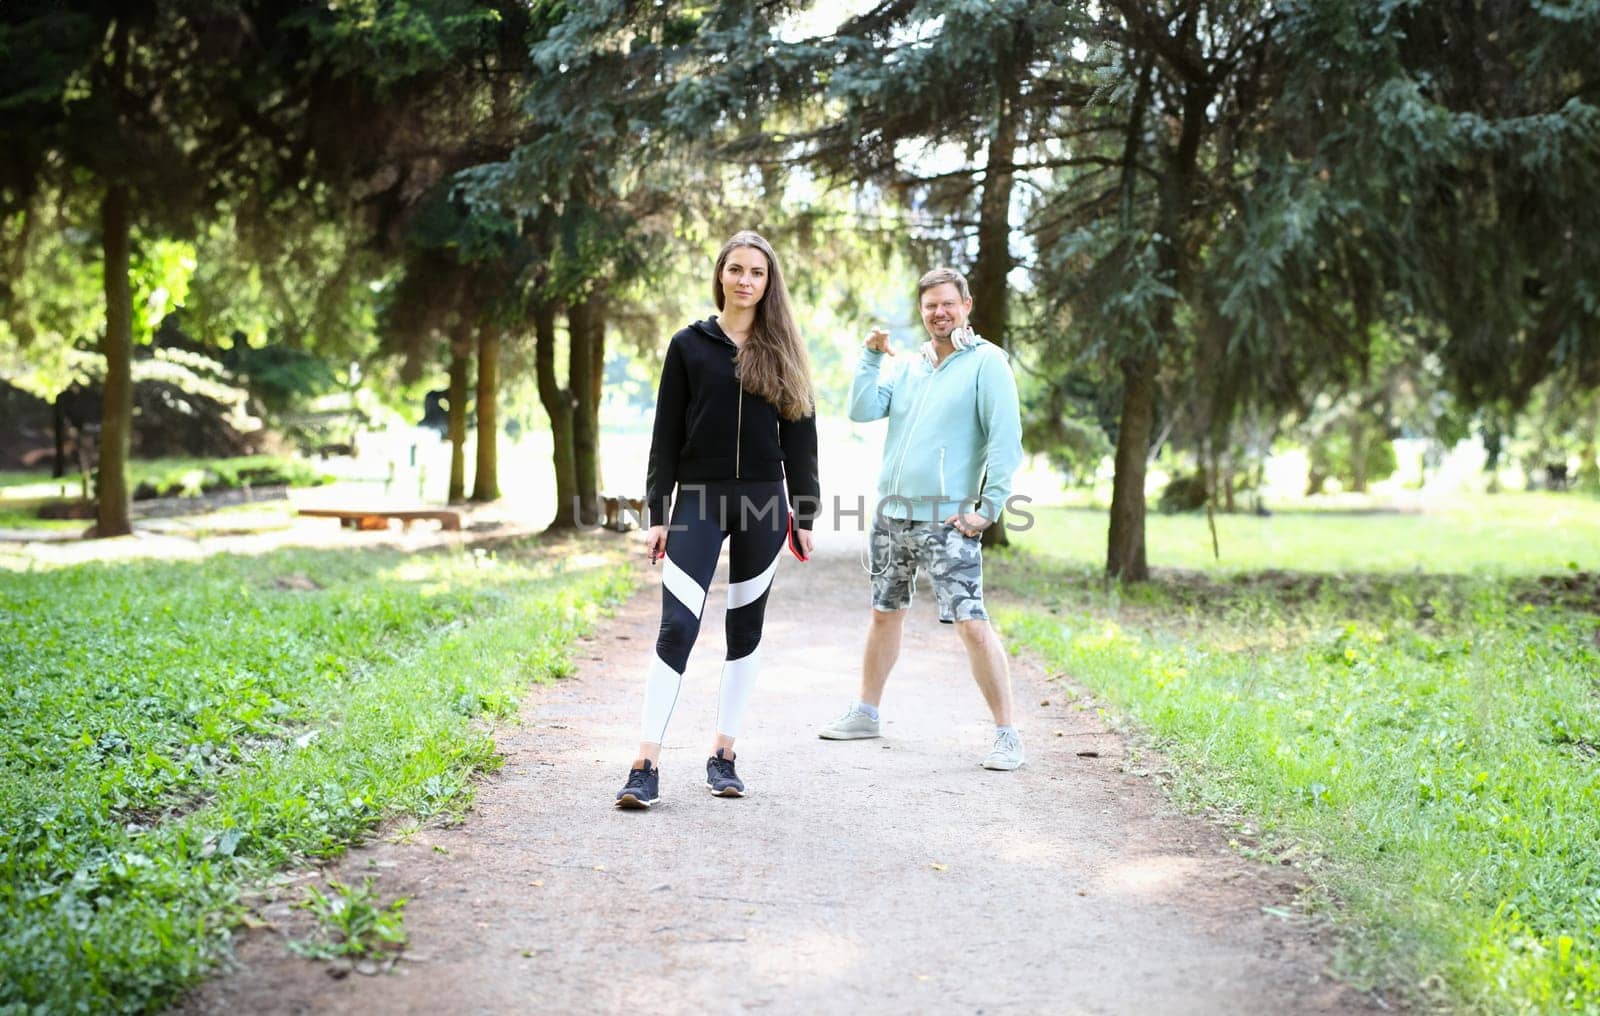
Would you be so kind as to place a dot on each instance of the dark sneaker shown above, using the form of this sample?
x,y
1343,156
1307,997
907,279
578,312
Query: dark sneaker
x,y
642,789
721,778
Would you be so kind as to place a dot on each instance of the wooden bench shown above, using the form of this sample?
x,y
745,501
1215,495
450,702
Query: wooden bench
x,y
378,518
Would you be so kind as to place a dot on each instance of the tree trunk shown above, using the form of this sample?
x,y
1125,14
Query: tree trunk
x,y
1588,475
460,364
1125,548
1228,482
558,406
1493,442
1213,479
117,345
585,418
60,415
1125,551
990,293
486,478
599,310
1358,456
1125,557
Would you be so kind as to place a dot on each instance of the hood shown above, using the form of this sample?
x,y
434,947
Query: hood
x,y
711,330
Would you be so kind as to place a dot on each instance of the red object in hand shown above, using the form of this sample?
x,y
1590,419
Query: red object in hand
x,y
794,542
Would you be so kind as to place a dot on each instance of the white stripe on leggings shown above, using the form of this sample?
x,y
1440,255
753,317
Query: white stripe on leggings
x,y
738,681
750,590
686,589
661,686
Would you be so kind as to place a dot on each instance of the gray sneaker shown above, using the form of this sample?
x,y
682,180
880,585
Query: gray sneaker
x,y
1006,753
854,724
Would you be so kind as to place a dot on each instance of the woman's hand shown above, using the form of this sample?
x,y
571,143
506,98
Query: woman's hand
x,y
803,537
655,542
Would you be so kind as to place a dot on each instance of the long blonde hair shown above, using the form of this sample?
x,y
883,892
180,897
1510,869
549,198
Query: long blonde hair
x,y
772,362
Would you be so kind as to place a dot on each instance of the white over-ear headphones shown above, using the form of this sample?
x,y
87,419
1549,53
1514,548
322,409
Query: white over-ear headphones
x,y
960,337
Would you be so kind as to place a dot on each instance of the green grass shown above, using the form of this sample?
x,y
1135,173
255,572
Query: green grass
x,y
173,732
27,518
352,923
173,476
191,477
1427,744
12,478
1498,534
22,493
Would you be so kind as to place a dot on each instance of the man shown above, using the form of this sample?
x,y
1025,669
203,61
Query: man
x,y
954,442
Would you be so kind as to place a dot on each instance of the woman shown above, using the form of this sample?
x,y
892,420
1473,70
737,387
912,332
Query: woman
x,y
735,417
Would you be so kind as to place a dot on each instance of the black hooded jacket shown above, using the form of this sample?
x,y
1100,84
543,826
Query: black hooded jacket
x,y
709,429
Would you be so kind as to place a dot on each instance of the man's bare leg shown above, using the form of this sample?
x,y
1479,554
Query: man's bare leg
x,y
990,668
883,649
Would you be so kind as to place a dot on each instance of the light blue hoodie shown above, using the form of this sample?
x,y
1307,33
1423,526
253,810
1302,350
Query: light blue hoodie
x,y
947,424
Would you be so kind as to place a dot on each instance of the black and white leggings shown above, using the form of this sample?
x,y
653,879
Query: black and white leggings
x,y
753,516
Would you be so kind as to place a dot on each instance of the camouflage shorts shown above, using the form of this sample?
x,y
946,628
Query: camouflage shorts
x,y
954,564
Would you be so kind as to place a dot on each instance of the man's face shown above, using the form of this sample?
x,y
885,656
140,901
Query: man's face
x,y
943,310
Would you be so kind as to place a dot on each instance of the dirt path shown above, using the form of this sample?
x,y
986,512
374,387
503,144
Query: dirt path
x,y
888,876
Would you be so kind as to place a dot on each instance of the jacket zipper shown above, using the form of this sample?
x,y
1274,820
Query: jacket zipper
x,y
738,431
911,431
941,474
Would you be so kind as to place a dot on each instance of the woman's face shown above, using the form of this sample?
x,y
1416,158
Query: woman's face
x,y
744,278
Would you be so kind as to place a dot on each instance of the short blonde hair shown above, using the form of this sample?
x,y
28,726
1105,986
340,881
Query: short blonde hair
x,y
940,276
